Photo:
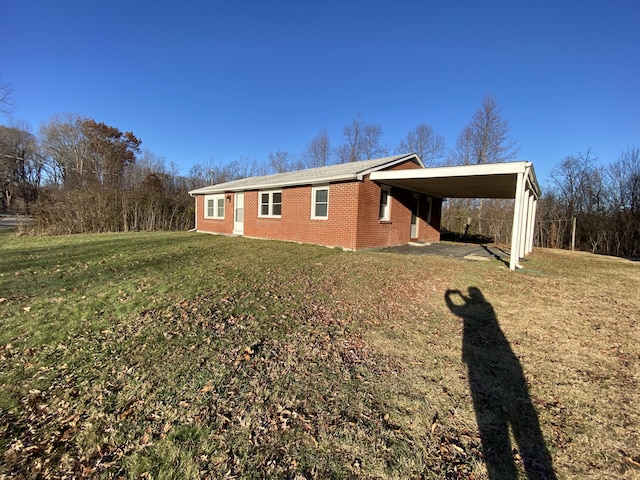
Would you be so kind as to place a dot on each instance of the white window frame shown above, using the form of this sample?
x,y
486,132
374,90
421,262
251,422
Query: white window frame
x,y
216,206
313,202
386,216
270,213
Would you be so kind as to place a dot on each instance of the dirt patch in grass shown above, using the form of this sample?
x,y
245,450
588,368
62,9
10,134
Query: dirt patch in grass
x,y
192,356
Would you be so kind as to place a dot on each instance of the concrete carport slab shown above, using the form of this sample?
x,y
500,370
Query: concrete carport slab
x,y
515,180
465,251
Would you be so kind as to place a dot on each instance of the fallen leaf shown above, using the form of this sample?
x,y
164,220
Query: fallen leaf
x,y
126,413
629,459
207,388
26,309
457,448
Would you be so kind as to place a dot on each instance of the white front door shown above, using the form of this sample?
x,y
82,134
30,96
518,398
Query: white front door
x,y
238,214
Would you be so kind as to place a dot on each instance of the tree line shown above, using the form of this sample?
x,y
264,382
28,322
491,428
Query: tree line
x,y
592,205
81,175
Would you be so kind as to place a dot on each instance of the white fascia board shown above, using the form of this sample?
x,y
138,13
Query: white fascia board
x,y
457,171
533,181
293,183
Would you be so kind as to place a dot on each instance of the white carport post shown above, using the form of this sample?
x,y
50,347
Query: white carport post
x,y
524,227
532,221
516,232
530,216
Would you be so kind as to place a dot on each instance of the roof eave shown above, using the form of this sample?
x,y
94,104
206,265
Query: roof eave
x,y
343,177
271,186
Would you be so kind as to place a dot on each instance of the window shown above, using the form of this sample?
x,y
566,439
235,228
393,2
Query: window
x,y
214,206
320,203
385,203
270,204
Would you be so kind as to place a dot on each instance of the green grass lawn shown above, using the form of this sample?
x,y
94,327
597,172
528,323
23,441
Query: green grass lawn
x,y
182,355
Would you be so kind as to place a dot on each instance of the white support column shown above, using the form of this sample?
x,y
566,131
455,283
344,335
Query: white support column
x,y
517,222
524,226
527,225
532,223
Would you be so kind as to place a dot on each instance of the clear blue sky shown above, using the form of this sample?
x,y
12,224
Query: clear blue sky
x,y
221,80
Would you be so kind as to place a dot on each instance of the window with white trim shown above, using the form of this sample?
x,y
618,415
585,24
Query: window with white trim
x,y
270,204
320,202
385,203
214,206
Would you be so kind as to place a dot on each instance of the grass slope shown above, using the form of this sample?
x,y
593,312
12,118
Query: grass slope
x,y
179,355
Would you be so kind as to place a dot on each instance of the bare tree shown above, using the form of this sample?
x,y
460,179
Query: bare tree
x,y
580,183
425,142
282,161
151,163
66,145
362,141
318,153
208,173
486,138
6,105
146,163
351,149
491,143
371,146
572,180
462,153
624,178
245,167
21,165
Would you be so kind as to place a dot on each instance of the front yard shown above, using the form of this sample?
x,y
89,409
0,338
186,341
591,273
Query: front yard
x,y
181,355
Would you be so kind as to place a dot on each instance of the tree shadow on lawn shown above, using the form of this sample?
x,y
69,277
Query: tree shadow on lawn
x,y
500,395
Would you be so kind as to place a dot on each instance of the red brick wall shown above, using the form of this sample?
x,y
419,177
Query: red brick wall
x,y
296,223
430,232
214,225
373,232
353,221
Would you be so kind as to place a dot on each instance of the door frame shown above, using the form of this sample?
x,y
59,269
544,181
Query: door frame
x,y
415,217
238,207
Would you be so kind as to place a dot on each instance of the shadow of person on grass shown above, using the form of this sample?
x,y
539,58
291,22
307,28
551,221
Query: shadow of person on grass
x,y
500,395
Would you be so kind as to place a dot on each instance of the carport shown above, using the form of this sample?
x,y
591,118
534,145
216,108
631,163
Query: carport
x,y
515,180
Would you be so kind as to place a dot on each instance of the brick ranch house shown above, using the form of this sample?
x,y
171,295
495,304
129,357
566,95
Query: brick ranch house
x,y
337,206
373,203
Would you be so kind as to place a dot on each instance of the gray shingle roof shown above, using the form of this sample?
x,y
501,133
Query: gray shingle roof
x,y
311,176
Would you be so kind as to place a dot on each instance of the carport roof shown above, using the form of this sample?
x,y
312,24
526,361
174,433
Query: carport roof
x,y
497,180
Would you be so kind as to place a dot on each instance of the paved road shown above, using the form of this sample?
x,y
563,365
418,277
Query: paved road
x,y
11,221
